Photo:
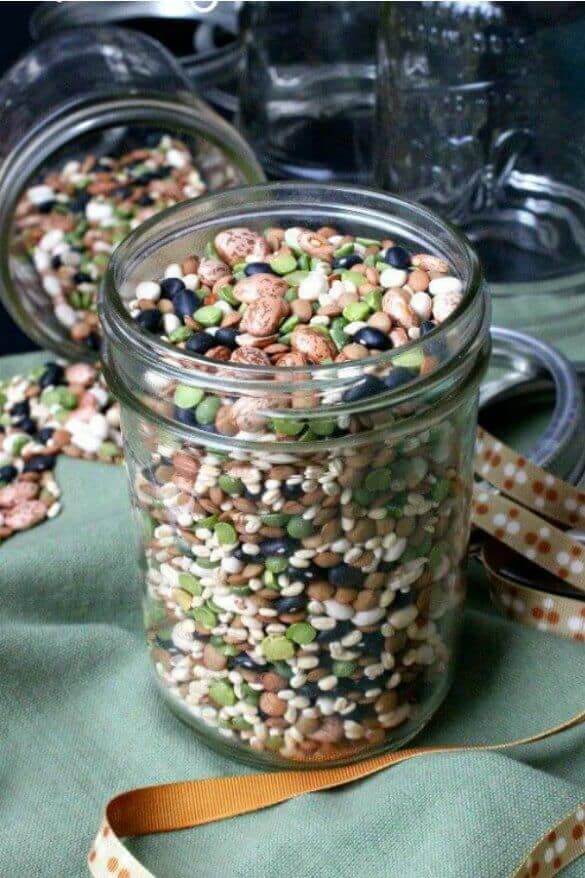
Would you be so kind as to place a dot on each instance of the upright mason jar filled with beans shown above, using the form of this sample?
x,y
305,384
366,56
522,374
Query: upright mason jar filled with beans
x,y
101,130
298,368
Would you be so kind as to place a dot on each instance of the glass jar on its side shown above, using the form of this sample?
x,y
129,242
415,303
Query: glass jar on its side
x,y
203,38
302,596
88,95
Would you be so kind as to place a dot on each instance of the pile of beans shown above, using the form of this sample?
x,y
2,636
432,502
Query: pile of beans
x,y
57,409
301,602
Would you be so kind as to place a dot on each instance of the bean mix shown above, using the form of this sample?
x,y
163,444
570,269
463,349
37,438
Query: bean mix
x,y
73,218
301,603
57,409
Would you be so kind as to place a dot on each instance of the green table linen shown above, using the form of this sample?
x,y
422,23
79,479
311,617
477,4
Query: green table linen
x,y
81,720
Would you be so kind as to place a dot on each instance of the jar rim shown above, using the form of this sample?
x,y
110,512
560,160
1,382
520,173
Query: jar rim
x,y
80,119
119,326
423,419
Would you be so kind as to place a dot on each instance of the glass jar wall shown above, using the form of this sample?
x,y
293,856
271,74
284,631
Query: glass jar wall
x,y
307,91
479,117
204,38
302,595
101,130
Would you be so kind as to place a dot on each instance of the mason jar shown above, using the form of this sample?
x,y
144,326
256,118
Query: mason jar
x,y
85,96
307,90
334,638
476,103
203,37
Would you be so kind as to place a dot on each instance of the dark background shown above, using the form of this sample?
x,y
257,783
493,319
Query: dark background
x,y
14,41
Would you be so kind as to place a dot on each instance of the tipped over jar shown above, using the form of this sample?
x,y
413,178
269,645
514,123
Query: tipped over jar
x,y
101,130
303,522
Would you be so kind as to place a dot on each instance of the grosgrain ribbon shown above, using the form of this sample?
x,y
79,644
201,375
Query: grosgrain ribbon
x,y
511,522
170,807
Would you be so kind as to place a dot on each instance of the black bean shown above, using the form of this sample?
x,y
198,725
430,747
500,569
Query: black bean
x,y
368,386
200,343
292,492
56,262
348,261
257,268
53,374
149,319
399,376
79,203
160,173
46,206
27,425
186,416
20,409
81,277
149,475
8,473
310,691
45,434
291,604
226,336
40,463
397,257
340,630
243,660
341,690
364,685
93,341
208,428
361,712
312,573
278,546
401,599
252,495
372,643
372,338
185,302
170,286
145,201
344,575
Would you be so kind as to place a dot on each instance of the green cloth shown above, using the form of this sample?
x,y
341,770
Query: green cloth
x,y
81,720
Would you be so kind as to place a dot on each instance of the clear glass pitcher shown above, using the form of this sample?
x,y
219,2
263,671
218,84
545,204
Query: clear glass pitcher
x,y
480,116
308,90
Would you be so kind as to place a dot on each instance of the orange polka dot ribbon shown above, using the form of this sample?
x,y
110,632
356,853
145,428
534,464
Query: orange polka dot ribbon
x,y
516,504
557,847
558,606
530,536
536,607
528,483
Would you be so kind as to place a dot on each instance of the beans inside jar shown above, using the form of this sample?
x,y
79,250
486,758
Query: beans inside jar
x,y
72,219
301,603
294,297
